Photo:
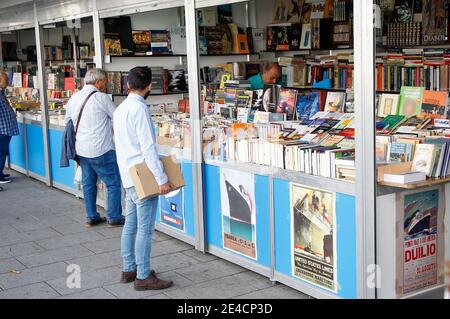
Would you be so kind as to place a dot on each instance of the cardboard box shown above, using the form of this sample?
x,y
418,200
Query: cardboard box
x,y
145,183
398,168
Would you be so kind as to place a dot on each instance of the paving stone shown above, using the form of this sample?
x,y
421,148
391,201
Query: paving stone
x,y
109,232
98,261
210,270
256,280
35,291
20,249
168,246
97,293
104,245
222,288
89,280
199,255
54,255
33,275
126,291
70,240
160,296
276,292
10,264
159,236
10,239
34,224
171,262
71,228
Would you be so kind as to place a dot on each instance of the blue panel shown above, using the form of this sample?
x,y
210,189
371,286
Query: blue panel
x,y
60,175
35,141
17,152
214,216
345,241
189,218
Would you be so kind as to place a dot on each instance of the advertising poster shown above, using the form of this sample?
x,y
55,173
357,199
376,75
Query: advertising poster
x,y
237,192
172,209
420,240
313,238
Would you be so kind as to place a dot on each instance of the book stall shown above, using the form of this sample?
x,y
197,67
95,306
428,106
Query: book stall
x,y
314,144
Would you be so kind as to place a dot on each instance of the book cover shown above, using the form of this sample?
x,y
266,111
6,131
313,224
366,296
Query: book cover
x,y
112,44
159,42
242,115
335,102
270,97
317,9
424,158
306,13
225,13
388,104
282,38
410,101
178,39
177,81
434,22
282,11
203,45
287,102
141,41
391,121
69,84
272,38
307,106
295,12
403,11
261,117
207,17
295,36
397,152
434,104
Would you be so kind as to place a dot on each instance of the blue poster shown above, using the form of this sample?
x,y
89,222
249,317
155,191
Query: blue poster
x,y
172,209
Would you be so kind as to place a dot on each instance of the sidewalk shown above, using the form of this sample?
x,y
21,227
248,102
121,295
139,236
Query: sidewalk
x,y
42,232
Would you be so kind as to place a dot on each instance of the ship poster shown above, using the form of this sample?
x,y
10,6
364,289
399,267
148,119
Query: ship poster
x,y
172,209
313,236
420,244
237,191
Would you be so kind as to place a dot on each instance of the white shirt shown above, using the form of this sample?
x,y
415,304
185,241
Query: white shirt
x,y
135,139
95,135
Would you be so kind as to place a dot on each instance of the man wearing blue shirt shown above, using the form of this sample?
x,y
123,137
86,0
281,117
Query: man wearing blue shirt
x,y
8,127
135,141
271,74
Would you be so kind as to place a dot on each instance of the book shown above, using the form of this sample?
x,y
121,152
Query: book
x,y
335,102
287,102
434,22
424,158
405,178
178,39
410,101
404,11
397,152
207,17
112,44
177,81
239,39
282,10
305,42
388,104
225,13
160,42
242,115
141,41
261,117
282,38
295,36
317,9
295,11
434,104
203,45
390,122
307,106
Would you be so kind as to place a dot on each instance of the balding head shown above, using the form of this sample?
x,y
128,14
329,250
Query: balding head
x,y
271,73
3,79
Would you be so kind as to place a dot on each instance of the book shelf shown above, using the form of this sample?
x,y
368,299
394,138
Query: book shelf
x,y
428,183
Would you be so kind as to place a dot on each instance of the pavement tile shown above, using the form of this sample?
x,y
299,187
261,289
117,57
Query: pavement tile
x,y
209,270
21,249
104,245
33,275
70,240
97,293
10,264
276,292
35,291
54,255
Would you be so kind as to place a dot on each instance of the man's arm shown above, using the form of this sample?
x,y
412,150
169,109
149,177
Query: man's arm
x,y
108,105
68,116
147,142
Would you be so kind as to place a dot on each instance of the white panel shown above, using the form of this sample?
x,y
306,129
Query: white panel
x,y
56,10
210,3
386,245
110,8
17,17
54,36
155,19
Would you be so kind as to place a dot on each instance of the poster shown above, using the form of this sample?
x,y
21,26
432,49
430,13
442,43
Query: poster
x,y
237,194
312,236
172,209
420,243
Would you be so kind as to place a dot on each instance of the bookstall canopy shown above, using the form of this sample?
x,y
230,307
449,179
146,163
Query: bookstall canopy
x,y
210,3
49,11
111,8
16,17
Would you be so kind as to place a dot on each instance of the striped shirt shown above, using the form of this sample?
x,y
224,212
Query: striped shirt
x,y
8,119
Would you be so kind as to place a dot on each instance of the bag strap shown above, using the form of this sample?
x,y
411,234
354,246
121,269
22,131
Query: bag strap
x,y
81,111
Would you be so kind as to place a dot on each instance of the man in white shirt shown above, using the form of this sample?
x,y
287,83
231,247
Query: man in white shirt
x,y
95,147
135,144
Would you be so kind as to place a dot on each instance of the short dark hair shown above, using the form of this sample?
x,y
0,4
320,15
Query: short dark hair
x,y
139,78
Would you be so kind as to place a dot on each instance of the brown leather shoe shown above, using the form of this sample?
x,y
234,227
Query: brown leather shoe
x,y
152,283
127,276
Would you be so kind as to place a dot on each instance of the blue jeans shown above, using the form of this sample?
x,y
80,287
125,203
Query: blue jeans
x,y
136,245
4,149
106,168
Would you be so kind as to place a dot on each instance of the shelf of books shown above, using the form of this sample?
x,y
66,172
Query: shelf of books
x,y
412,144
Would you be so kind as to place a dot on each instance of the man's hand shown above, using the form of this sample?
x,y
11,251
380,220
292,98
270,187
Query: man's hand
x,y
166,188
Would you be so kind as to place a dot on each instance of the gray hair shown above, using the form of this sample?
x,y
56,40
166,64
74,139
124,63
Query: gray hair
x,y
94,75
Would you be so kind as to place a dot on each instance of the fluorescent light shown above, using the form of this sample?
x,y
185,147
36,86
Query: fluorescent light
x,y
49,26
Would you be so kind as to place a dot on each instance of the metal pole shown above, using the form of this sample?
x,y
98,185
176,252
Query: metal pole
x,y
98,59
43,95
364,85
196,124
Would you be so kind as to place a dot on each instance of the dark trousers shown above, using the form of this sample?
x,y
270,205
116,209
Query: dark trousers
x,y
4,151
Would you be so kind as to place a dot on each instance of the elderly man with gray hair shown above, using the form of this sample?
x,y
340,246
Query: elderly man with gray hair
x,y
91,111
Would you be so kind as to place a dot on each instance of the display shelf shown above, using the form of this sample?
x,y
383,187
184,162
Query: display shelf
x,y
146,56
181,153
228,54
309,88
394,47
156,94
429,182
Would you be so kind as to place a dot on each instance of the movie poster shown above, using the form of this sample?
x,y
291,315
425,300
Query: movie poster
x,y
237,192
313,237
420,222
434,24
172,209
